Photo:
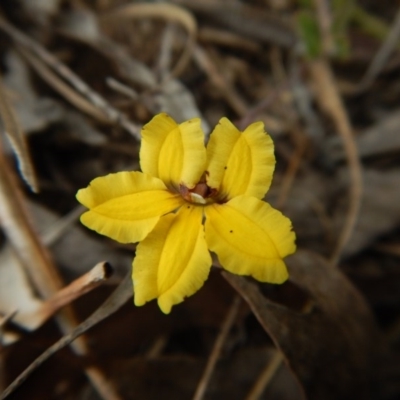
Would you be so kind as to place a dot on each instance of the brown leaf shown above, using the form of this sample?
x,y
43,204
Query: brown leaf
x,y
113,303
331,347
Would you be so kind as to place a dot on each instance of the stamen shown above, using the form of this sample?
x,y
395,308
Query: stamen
x,y
197,198
200,194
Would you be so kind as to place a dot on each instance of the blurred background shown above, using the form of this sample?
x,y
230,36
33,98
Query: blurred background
x,y
78,80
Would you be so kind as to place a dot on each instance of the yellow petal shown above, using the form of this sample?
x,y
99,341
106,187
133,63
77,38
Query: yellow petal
x,y
174,153
173,261
250,238
127,205
240,163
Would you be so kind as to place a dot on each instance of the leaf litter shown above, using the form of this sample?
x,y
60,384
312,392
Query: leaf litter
x,y
80,80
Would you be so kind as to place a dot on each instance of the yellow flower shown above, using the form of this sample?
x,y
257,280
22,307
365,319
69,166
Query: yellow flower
x,y
188,200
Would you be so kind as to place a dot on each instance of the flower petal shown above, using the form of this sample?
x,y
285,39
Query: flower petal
x,y
173,261
250,238
174,153
240,163
127,205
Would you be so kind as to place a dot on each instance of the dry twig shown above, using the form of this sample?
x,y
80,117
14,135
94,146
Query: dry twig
x,y
168,12
231,96
265,377
381,57
117,299
293,167
329,99
17,140
38,265
325,26
216,351
84,284
110,113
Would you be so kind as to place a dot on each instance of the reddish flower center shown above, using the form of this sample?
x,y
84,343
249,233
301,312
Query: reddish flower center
x,y
200,194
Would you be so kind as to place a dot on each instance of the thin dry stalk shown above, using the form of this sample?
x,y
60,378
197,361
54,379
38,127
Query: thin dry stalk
x,y
165,56
291,171
228,39
245,20
31,320
14,336
390,248
61,87
157,347
329,99
216,351
383,54
3,321
168,12
253,113
117,299
230,95
38,265
112,114
266,376
17,140
122,89
325,25
55,231
84,284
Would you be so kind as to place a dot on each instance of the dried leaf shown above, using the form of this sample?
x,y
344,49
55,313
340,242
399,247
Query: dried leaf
x,y
117,299
16,293
330,348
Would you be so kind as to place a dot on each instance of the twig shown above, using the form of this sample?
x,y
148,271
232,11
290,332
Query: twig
x,y
169,12
370,23
218,80
32,319
216,351
117,299
329,99
228,39
98,101
381,57
253,112
294,165
84,284
121,88
61,87
247,21
37,264
265,377
325,25
17,140
165,56
56,230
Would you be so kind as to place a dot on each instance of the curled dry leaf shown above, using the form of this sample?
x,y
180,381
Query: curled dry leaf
x,y
16,294
17,297
167,12
117,299
331,347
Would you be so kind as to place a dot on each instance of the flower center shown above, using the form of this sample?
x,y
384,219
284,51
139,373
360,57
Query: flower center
x,y
200,194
